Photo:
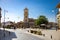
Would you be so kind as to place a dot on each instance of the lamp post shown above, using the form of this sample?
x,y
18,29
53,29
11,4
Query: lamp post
x,y
4,17
0,16
4,22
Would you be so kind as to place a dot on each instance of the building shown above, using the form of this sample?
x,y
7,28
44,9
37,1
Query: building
x,y
31,22
25,15
52,25
27,22
0,17
19,24
8,24
58,15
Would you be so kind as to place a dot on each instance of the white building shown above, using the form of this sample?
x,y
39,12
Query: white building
x,y
7,23
58,15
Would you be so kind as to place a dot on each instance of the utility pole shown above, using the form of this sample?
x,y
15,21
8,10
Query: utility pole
x,y
0,17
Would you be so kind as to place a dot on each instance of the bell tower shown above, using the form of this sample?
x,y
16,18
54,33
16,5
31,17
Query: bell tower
x,y
0,17
25,18
25,15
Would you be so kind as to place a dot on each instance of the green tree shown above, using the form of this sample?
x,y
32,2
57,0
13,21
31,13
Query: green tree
x,y
41,20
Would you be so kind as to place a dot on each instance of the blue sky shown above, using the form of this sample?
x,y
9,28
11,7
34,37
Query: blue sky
x,y
36,8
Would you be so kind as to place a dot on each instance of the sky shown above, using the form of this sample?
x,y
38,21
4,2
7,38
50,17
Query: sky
x,y
14,9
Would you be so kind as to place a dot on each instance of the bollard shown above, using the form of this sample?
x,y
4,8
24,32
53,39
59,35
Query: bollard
x,y
43,34
9,33
51,36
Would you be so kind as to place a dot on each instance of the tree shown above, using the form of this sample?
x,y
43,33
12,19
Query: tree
x,y
41,20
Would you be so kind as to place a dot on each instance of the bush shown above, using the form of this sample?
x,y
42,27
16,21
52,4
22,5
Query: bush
x,y
36,32
39,32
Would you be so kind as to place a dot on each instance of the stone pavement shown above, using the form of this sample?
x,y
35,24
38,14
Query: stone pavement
x,y
7,35
18,34
55,34
22,34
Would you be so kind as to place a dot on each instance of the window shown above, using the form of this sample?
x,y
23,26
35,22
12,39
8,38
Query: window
x,y
25,16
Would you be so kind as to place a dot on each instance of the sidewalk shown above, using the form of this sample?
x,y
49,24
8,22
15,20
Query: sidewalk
x,y
6,35
39,36
55,34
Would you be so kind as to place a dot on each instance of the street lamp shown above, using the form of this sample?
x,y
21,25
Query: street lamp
x,y
4,22
4,17
0,16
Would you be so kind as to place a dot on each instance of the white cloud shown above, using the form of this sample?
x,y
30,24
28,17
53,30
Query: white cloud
x,y
52,10
59,9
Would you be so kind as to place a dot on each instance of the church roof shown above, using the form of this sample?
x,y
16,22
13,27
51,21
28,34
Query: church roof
x,y
58,6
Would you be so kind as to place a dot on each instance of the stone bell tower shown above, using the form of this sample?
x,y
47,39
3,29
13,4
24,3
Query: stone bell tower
x,y
58,15
25,18
25,15
0,17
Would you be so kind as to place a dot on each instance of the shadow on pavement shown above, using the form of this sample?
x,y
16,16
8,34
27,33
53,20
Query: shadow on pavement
x,y
7,35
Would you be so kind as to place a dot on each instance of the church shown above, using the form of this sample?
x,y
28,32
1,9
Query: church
x,y
27,22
